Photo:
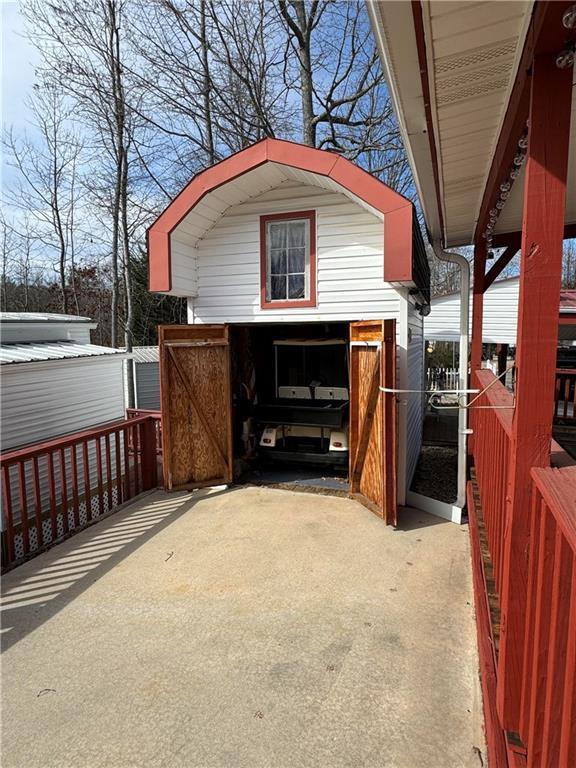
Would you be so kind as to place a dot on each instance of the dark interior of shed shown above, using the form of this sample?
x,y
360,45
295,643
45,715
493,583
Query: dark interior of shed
x,y
293,379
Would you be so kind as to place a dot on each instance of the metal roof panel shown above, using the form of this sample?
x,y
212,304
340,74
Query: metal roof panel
x,y
145,354
59,350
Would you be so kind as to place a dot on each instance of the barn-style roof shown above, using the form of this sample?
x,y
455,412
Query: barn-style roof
x,y
260,168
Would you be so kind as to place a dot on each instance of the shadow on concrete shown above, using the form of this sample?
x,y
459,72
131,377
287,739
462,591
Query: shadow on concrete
x,y
410,519
38,589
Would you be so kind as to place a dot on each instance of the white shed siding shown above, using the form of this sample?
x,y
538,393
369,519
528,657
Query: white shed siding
x,y
500,315
41,401
184,264
415,403
350,261
147,385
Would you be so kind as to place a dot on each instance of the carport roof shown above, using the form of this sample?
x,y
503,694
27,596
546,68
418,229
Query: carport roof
x,y
457,75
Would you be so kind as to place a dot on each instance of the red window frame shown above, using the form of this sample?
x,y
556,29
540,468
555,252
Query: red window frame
x,y
288,303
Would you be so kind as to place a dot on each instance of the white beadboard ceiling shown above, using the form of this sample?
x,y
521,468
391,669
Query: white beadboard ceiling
x,y
208,211
473,50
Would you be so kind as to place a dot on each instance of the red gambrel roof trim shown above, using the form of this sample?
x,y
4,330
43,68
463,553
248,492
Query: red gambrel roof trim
x,y
397,209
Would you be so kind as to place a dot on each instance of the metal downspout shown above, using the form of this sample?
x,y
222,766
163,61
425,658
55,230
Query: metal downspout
x,y
456,258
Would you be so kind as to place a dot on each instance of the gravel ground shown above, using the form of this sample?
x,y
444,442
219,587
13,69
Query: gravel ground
x,y
437,473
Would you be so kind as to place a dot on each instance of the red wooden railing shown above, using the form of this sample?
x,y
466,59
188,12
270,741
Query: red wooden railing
x,y
134,413
546,733
548,701
491,422
53,488
565,395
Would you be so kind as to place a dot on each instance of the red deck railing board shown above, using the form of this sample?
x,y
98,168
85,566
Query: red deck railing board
x,y
41,483
567,748
546,532
565,395
545,686
558,636
495,740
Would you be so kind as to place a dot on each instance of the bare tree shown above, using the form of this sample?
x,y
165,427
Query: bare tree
x,y
338,73
20,269
569,264
7,239
213,76
82,49
45,186
249,63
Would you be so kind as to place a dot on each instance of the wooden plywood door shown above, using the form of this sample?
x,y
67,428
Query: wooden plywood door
x,y
196,405
372,432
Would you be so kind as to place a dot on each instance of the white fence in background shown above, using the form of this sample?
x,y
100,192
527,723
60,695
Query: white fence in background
x,y
439,379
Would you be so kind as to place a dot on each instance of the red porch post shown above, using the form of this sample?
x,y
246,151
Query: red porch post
x,y
477,305
540,272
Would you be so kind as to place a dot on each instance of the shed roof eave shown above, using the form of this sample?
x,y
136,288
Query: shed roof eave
x,y
45,317
261,159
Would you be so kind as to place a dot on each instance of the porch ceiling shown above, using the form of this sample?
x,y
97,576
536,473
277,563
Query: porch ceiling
x,y
472,52
510,218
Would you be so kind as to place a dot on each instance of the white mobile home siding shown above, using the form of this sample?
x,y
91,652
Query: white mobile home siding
x,y
15,332
350,266
44,400
147,382
500,315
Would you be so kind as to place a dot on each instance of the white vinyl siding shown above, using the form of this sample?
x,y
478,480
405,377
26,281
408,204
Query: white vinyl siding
x,y
41,330
147,386
500,318
41,401
45,400
350,262
184,265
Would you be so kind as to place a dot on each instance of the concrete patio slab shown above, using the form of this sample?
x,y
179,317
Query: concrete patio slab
x,y
245,628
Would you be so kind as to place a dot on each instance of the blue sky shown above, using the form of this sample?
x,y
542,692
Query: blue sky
x,y
18,61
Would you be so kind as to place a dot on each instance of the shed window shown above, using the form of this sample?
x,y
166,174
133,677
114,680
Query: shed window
x,y
288,260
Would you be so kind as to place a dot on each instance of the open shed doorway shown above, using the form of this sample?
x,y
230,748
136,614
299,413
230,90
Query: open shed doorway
x,y
291,405
317,399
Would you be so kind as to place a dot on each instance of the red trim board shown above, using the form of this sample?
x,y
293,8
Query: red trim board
x,y
397,210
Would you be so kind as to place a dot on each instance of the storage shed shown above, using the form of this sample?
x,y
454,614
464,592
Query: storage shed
x,y
146,377
284,252
54,381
